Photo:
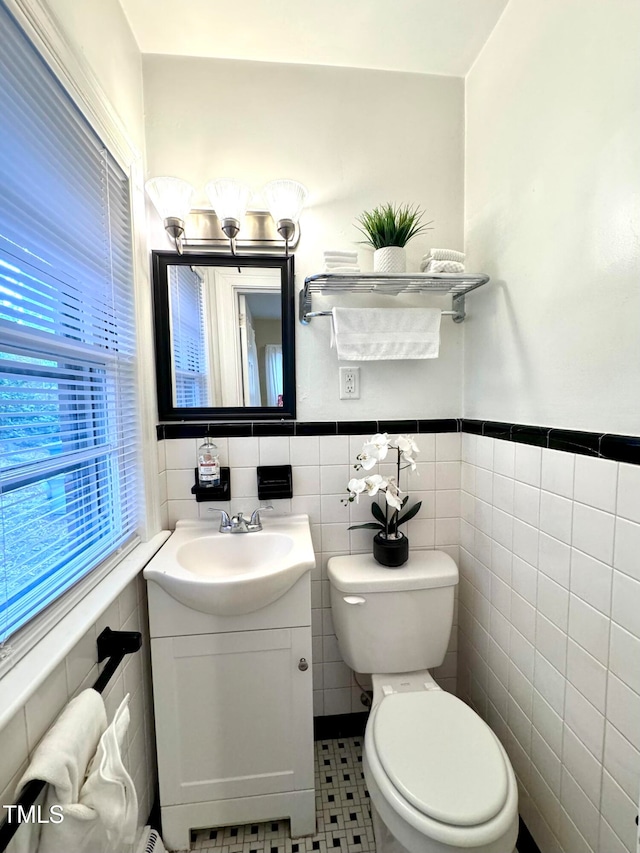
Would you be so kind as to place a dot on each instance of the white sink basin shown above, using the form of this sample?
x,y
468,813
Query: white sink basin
x,y
228,574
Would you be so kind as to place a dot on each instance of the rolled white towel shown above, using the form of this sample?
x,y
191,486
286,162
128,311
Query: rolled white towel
x,y
441,266
444,255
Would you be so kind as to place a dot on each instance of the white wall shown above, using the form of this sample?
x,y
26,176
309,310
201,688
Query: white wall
x,y
98,30
552,214
355,139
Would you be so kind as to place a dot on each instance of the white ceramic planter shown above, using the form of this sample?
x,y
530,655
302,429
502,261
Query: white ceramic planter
x,y
390,259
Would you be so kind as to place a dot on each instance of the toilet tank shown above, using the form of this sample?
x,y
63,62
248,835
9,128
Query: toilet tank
x,y
393,620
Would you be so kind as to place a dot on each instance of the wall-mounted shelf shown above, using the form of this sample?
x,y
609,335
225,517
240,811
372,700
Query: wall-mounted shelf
x,y
332,284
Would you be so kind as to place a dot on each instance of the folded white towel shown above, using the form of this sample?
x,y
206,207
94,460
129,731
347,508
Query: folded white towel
x,y
105,816
441,266
380,334
444,255
341,268
340,253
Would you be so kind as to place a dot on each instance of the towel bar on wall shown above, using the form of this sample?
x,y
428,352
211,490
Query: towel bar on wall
x,y
330,284
114,645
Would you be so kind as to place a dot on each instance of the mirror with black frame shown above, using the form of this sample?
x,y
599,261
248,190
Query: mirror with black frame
x,y
224,332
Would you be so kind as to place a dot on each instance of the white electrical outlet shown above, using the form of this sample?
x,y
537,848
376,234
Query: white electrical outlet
x,y
349,383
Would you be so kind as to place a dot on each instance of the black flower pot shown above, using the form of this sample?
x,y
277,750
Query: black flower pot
x,y
391,553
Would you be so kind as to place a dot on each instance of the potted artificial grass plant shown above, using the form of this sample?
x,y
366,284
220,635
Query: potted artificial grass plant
x,y
388,229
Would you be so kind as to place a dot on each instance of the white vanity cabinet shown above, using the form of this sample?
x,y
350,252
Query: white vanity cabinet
x,y
234,717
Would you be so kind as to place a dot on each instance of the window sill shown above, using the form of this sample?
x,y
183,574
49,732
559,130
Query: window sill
x,y
23,679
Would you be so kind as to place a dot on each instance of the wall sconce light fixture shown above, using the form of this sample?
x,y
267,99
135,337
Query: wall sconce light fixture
x,y
286,200
172,199
229,198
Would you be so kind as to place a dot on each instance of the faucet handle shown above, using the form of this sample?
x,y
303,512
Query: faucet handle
x,y
225,521
255,515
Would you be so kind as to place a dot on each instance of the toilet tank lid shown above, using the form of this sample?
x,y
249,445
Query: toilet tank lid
x,y
361,573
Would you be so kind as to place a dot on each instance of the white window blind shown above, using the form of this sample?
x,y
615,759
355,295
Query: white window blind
x,y
188,338
68,431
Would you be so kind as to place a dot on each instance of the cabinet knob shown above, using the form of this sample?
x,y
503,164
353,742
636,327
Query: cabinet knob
x,y
303,665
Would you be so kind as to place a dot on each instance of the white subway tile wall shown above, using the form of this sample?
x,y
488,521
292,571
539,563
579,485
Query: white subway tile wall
x,y
322,466
78,671
549,633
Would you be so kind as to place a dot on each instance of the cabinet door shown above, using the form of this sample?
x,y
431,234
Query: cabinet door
x,y
233,713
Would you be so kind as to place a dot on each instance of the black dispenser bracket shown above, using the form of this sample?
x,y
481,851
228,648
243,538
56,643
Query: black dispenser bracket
x,y
213,493
275,481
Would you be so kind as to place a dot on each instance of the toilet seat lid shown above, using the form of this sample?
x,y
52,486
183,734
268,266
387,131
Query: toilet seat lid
x,y
442,758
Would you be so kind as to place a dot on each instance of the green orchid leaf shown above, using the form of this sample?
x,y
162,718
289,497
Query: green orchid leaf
x,y
377,512
368,525
410,513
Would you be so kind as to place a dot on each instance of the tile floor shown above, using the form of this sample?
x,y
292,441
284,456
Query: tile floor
x,y
342,812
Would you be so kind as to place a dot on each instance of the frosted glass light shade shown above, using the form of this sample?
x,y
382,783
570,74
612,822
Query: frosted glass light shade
x,y
171,196
285,199
228,197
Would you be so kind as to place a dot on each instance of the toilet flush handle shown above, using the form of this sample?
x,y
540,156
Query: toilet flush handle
x,y
354,599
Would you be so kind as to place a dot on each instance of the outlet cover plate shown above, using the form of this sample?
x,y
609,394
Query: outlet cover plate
x,y
349,383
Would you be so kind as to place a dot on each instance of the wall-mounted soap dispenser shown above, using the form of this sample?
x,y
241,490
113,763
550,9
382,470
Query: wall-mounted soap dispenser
x,y
213,482
208,464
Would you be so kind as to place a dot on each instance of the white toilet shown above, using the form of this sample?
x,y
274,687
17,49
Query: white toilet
x,y
438,778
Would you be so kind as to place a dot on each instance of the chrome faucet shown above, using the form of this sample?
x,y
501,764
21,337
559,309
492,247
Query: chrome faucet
x,y
238,523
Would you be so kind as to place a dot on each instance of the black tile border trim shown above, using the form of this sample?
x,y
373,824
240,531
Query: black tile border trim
x,y
284,428
603,445
619,448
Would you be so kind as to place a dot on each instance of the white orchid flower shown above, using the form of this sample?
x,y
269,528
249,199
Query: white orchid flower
x,y
356,487
374,484
407,447
374,450
392,494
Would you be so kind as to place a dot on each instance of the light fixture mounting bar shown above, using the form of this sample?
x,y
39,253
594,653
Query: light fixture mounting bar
x,y
258,231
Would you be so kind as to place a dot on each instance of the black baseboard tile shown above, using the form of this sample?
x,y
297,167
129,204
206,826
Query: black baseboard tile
x,y
340,725
471,426
525,843
574,441
621,448
439,425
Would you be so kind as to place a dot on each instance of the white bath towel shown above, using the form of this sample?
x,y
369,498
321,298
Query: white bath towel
x,y
381,334
444,255
61,759
441,266
104,817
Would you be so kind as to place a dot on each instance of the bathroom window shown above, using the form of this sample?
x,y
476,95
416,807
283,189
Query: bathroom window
x,y
68,425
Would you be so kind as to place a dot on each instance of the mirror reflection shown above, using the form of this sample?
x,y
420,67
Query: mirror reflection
x,y
225,326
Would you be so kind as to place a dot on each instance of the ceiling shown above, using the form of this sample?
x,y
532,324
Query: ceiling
x,y
422,36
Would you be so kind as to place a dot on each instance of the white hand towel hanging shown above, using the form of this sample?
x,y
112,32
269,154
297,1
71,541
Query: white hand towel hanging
x,y
103,818
381,334
61,759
